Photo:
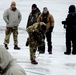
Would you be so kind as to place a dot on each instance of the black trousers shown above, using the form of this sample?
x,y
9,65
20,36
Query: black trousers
x,y
74,42
49,42
71,41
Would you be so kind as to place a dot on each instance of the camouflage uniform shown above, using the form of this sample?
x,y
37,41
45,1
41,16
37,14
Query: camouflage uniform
x,y
33,18
36,40
8,32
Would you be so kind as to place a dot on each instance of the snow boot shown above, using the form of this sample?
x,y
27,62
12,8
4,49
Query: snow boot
x,y
16,47
50,52
6,46
74,53
67,53
34,62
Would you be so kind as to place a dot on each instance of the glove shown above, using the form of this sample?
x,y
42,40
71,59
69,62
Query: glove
x,y
63,22
51,29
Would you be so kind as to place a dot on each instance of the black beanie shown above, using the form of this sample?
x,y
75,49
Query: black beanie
x,y
45,8
34,5
71,8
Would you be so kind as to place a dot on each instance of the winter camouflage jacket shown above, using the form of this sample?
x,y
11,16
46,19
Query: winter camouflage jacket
x,y
34,33
48,20
33,18
8,66
12,18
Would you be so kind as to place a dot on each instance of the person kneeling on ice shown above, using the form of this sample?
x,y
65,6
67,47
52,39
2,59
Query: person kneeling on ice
x,y
36,38
7,64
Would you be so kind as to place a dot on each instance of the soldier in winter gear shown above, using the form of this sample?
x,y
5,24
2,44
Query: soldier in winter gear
x,y
32,18
12,17
8,65
33,15
47,18
36,33
70,25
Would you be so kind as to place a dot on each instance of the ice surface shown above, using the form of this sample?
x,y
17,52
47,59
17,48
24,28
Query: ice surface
x,y
55,64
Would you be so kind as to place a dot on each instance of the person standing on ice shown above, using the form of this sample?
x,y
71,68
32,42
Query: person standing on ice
x,y
8,65
32,18
36,33
12,17
47,18
70,26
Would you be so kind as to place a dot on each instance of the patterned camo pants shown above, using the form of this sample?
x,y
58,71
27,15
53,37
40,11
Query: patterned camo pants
x,y
8,32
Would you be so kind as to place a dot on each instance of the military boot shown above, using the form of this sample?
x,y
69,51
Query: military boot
x,y
50,52
16,47
67,53
34,62
6,46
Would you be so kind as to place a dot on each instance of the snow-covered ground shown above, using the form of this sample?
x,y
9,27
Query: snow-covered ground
x,y
55,64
